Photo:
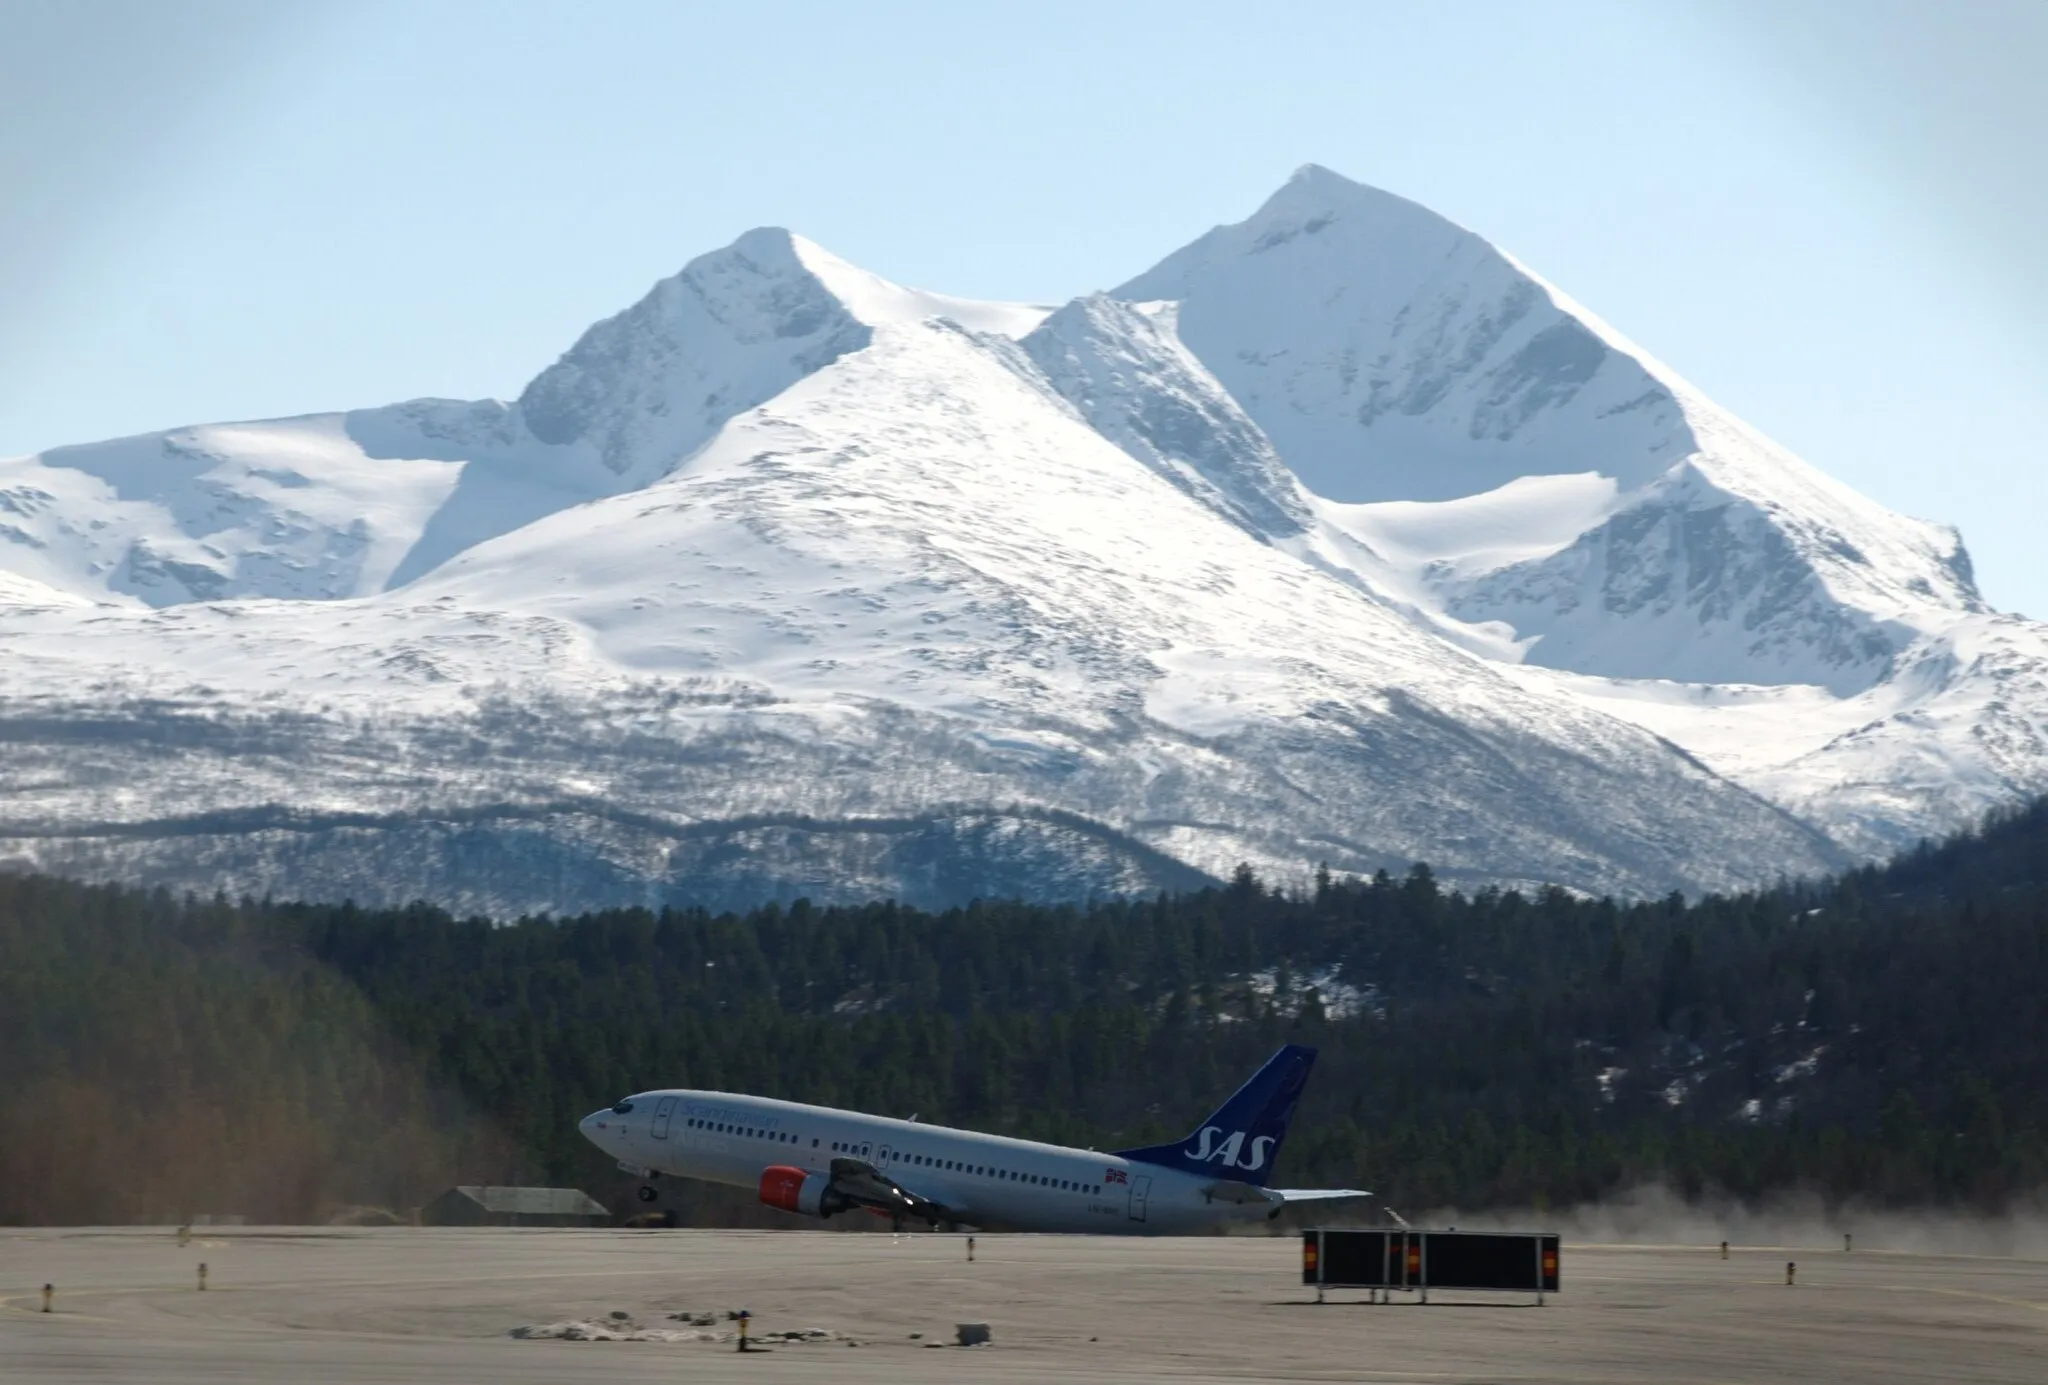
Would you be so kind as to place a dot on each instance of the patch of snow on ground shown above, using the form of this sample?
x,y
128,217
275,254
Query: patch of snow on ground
x,y
1340,998
1803,1067
1529,517
578,1330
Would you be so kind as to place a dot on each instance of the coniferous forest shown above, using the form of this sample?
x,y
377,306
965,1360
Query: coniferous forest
x,y
1881,1037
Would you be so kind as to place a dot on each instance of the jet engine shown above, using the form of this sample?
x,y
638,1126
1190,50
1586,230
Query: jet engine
x,y
794,1190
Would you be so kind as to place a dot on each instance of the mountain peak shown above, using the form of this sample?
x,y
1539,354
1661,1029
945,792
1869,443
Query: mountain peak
x,y
879,302
1391,354
1315,197
1315,180
732,330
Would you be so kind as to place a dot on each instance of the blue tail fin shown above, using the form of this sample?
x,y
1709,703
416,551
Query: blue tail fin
x,y
1242,1140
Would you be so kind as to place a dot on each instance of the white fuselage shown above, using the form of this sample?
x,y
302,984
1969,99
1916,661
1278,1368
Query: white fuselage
x,y
983,1180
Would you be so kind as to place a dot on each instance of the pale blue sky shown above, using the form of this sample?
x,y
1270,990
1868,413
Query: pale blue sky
x,y
1827,215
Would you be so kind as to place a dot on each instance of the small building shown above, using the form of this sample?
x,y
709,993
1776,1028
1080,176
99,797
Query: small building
x,y
491,1205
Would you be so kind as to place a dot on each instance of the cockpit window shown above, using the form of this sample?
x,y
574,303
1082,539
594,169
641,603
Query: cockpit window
x,y
622,1108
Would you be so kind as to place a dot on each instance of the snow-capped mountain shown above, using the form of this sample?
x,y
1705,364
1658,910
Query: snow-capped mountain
x,y
1393,356
788,580
1500,458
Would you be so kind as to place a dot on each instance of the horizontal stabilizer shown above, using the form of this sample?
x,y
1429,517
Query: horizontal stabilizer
x,y
1290,1196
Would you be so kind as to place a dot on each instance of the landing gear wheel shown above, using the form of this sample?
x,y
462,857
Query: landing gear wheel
x,y
647,1193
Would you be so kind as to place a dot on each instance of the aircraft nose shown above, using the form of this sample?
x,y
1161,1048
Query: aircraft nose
x,y
597,1125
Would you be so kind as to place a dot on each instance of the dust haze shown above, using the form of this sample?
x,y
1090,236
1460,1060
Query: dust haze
x,y
1657,1214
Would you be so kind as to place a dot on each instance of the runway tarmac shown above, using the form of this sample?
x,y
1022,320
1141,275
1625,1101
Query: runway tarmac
x,y
392,1305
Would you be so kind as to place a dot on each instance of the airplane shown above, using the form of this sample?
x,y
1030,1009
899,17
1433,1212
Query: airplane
x,y
818,1162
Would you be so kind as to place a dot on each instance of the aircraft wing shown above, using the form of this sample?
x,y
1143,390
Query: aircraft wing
x,y
865,1185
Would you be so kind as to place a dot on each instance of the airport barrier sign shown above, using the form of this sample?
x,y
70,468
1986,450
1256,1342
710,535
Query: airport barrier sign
x,y
1418,1261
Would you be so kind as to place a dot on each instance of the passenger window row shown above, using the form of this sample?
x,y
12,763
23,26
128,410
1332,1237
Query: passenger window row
x,y
921,1160
781,1137
1069,1185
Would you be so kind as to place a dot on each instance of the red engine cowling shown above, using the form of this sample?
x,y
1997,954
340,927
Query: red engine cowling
x,y
794,1190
